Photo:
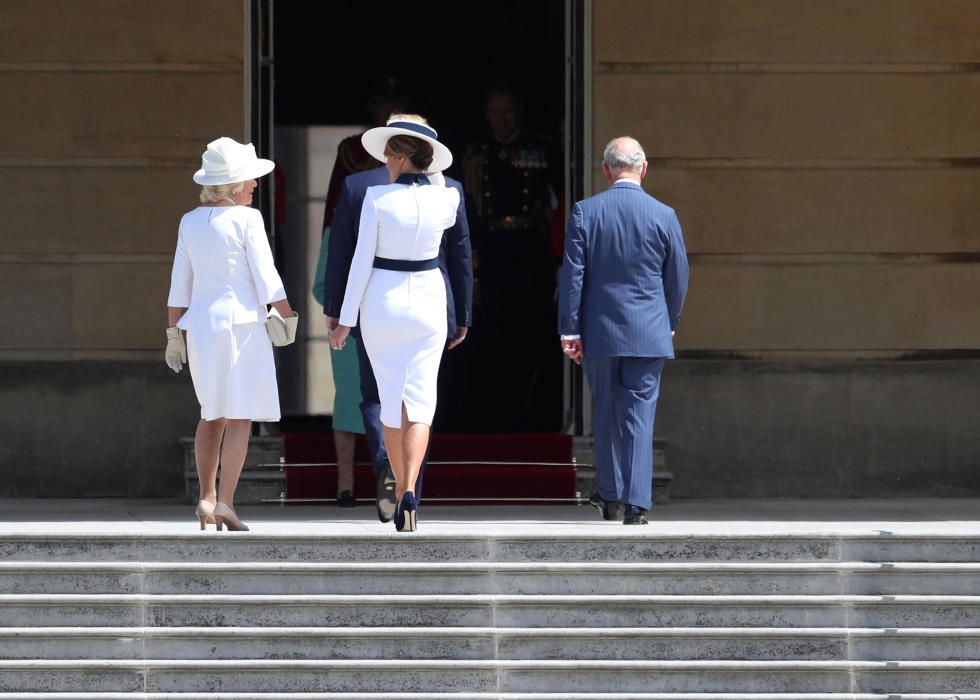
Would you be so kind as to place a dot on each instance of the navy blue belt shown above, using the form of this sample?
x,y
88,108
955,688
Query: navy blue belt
x,y
406,265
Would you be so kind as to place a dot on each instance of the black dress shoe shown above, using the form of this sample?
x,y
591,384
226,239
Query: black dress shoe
x,y
634,516
345,499
386,494
609,509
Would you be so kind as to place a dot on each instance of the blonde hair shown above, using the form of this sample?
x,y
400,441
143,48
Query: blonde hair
x,y
215,193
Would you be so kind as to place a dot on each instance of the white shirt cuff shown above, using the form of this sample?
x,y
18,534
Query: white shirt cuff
x,y
571,337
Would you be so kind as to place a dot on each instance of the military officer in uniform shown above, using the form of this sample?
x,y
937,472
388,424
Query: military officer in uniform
x,y
512,178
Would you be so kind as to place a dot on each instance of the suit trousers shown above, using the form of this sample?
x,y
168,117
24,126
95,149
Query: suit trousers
x,y
625,391
371,412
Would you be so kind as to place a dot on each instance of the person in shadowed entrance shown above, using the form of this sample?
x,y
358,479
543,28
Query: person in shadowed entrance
x,y
512,177
348,420
623,282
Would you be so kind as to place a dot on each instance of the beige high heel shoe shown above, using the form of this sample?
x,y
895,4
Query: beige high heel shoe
x,y
223,515
205,513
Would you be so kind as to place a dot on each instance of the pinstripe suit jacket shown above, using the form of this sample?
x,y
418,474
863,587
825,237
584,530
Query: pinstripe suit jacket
x,y
624,275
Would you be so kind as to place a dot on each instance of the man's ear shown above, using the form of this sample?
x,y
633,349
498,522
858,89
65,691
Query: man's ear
x,y
643,173
607,171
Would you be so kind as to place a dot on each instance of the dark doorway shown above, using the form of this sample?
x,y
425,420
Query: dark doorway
x,y
443,55
329,55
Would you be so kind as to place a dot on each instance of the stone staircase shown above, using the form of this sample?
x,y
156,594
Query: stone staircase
x,y
262,479
629,615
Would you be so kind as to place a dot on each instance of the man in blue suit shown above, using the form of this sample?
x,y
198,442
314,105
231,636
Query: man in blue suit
x,y
622,287
457,269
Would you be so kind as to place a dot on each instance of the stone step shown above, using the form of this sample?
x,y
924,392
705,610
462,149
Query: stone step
x,y
630,545
480,610
487,696
556,643
261,480
432,676
658,578
263,450
256,485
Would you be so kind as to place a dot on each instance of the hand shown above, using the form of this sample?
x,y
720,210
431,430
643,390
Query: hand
x,y
458,338
332,322
573,349
338,336
176,353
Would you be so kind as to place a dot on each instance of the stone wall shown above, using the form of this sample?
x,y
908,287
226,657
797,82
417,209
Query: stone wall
x,y
824,160
107,107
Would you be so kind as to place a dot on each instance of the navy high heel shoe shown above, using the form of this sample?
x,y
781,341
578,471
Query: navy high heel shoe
x,y
405,516
399,516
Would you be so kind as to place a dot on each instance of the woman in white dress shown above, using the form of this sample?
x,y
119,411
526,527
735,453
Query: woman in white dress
x,y
223,278
396,287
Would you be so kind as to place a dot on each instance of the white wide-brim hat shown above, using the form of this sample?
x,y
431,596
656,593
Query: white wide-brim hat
x,y
374,141
226,162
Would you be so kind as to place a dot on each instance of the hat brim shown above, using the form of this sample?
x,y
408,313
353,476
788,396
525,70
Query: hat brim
x,y
255,169
374,141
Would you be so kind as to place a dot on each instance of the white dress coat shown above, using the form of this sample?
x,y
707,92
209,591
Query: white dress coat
x,y
224,275
402,314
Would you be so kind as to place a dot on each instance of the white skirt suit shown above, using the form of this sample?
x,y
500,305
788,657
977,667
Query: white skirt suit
x,y
402,314
224,274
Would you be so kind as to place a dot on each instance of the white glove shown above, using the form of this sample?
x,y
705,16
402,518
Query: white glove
x,y
176,349
282,331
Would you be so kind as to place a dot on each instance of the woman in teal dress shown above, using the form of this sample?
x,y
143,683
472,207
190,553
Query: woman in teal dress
x,y
347,420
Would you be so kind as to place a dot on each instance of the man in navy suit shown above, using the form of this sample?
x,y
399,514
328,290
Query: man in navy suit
x,y
457,269
623,282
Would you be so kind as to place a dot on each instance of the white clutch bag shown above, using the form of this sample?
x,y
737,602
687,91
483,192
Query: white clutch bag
x,y
282,331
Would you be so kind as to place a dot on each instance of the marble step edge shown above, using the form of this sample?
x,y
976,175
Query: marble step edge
x,y
487,567
490,632
453,665
643,536
485,696
476,599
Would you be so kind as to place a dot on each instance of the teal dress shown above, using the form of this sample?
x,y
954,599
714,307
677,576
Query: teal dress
x,y
343,363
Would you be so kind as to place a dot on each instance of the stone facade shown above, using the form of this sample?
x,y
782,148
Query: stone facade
x,y
107,106
822,158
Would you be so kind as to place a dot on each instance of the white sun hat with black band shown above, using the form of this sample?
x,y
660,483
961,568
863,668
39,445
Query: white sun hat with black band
x,y
226,162
374,141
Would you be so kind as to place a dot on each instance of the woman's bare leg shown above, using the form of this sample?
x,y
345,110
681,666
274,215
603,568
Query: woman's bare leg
x,y
207,449
233,452
415,441
344,445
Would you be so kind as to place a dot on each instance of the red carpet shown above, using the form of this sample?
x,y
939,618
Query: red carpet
x,y
451,473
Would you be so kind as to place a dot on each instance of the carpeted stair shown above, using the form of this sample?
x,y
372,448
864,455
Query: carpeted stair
x,y
491,469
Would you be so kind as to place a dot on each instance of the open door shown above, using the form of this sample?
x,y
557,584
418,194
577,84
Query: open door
x,y
577,404
518,44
